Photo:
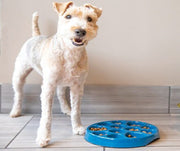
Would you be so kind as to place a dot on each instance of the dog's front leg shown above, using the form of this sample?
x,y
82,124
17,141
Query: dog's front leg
x,y
44,130
76,92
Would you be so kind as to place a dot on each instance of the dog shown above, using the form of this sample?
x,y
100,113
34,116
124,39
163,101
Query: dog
x,y
62,62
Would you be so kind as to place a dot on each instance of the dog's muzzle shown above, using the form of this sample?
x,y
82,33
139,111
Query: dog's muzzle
x,y
79,37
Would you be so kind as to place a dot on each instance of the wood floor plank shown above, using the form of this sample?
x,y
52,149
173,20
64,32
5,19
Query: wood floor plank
x,y
9,127
96,149
146,149
169,127
54,149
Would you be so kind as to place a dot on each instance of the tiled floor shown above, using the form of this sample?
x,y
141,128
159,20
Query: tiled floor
x,y
19,134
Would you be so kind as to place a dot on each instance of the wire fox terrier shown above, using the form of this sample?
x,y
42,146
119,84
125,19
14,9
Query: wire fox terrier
x,y
62,62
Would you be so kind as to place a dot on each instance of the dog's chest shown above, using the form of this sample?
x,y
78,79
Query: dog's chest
x,y
62,64
68,67
74,66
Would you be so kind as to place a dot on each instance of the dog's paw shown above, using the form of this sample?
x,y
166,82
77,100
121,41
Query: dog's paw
x,y
42,142
15,113
79,130
67,111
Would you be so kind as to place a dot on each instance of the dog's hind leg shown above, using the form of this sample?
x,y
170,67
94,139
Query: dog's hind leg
x,y
61,94
20,73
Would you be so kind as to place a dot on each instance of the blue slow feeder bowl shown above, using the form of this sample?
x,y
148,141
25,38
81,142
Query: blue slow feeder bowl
x,y
121,134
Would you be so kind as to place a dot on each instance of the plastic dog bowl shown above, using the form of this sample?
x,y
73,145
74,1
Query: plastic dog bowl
x,y
121,134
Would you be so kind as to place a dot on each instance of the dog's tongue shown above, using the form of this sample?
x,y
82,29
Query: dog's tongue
x,y
78,40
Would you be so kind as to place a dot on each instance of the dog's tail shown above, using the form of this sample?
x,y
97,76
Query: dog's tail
x,y
35,27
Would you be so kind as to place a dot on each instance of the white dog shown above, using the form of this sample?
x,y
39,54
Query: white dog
x,y
62,62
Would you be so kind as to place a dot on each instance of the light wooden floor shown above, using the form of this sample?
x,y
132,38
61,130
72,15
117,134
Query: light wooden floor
x,y
19,134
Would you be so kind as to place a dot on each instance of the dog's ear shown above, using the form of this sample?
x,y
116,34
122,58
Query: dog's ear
x,y
98,11
60,8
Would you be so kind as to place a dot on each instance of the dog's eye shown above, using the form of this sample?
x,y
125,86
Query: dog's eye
x,y
89,19
68,16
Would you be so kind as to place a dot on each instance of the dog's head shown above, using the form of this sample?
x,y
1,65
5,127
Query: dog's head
x,y
77,25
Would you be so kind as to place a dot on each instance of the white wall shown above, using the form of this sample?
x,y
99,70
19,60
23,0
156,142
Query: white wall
x,y
138,41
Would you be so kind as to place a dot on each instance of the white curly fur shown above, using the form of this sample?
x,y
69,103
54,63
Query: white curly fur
x,y
60,62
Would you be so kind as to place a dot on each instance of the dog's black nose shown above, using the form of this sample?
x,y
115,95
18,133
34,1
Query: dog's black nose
x,y
80,32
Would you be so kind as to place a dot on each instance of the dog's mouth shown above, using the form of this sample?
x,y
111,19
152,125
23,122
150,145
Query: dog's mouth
x,y
78,42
